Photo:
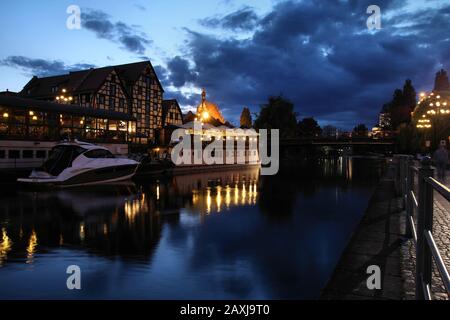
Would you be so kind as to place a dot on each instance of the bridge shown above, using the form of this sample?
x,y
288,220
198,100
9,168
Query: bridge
x,y
348,145
337,142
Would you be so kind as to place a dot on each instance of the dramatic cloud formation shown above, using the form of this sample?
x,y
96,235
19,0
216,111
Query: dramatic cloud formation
x,y
180,72
100,23
320,55
243,19
41,67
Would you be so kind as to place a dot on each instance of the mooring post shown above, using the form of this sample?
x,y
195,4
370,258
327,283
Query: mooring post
x,y
424,223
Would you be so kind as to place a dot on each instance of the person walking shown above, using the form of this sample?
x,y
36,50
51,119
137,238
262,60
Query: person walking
x,y
440,158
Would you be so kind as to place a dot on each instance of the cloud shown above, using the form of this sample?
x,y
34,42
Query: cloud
x,y
140,7
243,19
128,36
42,67
321,56
180,72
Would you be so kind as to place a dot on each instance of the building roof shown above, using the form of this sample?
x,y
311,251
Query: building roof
x,y
8,93
45,106
84,80
166,105
211,110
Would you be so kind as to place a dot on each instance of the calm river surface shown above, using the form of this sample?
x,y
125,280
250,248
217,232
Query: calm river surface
x,y
219,235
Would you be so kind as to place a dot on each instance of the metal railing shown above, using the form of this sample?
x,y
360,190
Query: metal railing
x,y
420,229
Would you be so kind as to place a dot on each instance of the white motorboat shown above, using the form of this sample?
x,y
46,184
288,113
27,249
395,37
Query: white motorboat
x,y
75,163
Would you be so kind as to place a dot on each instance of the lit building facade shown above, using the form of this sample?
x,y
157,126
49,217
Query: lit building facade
x,y
171,114
30,128
131,88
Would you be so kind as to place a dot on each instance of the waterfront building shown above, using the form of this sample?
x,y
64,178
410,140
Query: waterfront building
x,y
209,112
30,128
130,88
209,126
384,120
171,114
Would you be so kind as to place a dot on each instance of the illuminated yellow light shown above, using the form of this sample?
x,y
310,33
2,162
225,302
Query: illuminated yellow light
x,y
205,115
70,98
6,115
35,118
431,104
81,122
438,104
422,94
438,97
64,90
57,98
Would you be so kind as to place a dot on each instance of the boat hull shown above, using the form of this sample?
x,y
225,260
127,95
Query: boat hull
x,y
88,177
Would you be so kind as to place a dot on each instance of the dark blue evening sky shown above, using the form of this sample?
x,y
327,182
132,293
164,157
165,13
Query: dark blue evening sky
x,y
318,54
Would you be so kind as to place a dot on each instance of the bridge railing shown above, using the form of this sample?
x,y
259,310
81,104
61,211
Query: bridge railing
x,y
419,207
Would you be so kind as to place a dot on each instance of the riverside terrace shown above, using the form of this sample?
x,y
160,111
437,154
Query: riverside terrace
x,y
39,120
29,129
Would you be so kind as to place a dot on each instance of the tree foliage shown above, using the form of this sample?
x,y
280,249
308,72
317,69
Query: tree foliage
x,y
278,113
409,139
309,127
402,105
360,130
246,119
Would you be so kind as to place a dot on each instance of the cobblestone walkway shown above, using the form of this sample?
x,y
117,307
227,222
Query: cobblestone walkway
x,y
376,241
441,233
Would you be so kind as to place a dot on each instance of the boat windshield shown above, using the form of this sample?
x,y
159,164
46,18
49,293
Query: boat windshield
x,y
61,157
99,154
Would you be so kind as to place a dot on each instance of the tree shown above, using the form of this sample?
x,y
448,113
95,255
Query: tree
x,y
409,96
309,127
278,113
402,104
360,130
246,119
409,139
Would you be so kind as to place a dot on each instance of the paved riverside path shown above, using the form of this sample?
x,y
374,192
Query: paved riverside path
x,y
376,241
441,233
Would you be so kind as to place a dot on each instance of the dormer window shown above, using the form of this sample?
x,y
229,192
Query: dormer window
x,y
54,89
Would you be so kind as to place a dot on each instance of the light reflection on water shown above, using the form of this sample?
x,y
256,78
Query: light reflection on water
x,y
206,235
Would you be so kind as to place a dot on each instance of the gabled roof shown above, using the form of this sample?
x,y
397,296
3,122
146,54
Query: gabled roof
x,y
84,80
166,105
130,72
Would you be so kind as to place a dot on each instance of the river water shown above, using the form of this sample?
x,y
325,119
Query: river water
x,y
215,235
